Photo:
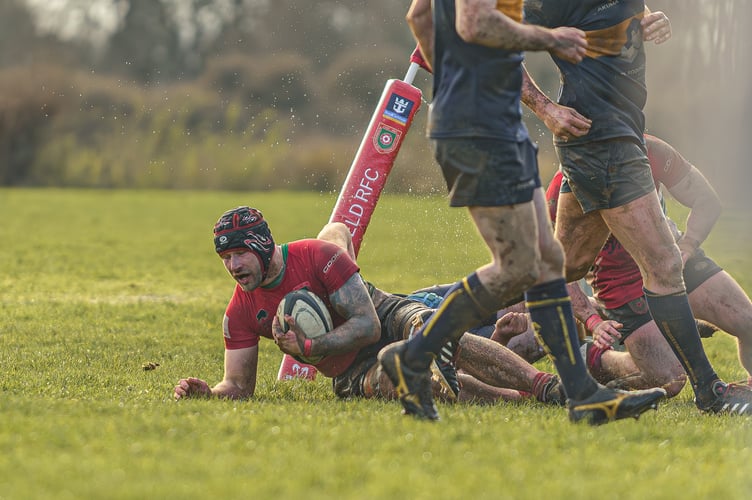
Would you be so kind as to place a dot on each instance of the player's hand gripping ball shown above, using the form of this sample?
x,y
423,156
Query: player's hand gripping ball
x,y
310,315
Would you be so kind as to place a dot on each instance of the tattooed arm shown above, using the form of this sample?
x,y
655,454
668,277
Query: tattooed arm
x,y
481,22
361,328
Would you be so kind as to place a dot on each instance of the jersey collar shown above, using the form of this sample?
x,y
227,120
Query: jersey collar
x,y
281,274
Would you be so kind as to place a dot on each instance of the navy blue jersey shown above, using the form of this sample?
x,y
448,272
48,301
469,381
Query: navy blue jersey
x,y
476,89
608,86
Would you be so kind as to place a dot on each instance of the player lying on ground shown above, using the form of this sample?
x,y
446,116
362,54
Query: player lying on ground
x,y
487,372
265,272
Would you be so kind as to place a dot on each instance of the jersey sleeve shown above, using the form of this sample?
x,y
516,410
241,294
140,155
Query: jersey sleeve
x,y
236,325
334,266
667,164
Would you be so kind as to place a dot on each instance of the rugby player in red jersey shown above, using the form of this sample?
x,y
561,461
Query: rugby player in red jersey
x,y
264,273
365,320
617,285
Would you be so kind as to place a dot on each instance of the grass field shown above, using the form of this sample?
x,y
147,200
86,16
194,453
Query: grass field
x,y
95,284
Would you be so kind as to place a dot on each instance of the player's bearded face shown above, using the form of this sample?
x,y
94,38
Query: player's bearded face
x,y
244,267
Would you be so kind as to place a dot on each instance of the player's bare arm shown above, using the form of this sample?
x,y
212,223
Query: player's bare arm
x,y
656,27
564,122
604,332
351,301
339,234
480,22
695,192
420,20
239,380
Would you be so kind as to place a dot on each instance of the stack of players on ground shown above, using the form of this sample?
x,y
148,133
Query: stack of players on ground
x,y
607,201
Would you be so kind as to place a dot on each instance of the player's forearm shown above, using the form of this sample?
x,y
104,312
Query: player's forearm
x,y
533,97
351,301
702,219
582,307
496,30
231,390
352,335
695,192
700,223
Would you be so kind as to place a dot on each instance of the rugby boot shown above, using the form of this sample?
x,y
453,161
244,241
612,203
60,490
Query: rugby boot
x,y
607,405
730,399
552,391
445,371
413,386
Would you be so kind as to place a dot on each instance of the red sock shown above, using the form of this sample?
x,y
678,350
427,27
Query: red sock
x,y
594,357
539,382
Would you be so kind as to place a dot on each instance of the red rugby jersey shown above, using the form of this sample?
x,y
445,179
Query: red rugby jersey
x,y
320,266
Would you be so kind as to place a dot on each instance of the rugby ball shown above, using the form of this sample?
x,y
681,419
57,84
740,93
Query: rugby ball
x,y
310,314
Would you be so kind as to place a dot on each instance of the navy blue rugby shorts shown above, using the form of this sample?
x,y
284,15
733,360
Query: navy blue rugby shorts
x,y
605,174
488,172
698,269
395,315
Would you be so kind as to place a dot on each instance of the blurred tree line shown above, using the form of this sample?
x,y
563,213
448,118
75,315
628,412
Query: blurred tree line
x,y
276,94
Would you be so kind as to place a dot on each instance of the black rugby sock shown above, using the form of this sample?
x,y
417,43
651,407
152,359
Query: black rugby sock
x,y
673,315
465,305
553,322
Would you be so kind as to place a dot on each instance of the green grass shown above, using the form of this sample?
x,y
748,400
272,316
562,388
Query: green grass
x,y
94,284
